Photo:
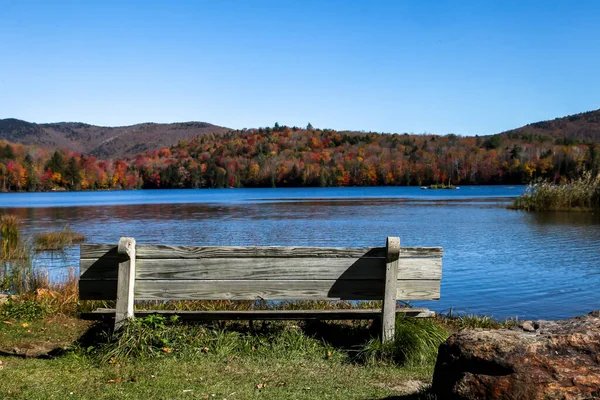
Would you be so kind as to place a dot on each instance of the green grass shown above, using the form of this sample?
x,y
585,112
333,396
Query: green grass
x,y
23,310
205,377
415,343
582,194
159,358
457,321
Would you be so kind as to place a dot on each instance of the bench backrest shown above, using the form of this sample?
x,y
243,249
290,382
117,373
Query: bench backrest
x,y
270,273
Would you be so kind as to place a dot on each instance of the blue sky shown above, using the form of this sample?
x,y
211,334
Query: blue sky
x,y
465,67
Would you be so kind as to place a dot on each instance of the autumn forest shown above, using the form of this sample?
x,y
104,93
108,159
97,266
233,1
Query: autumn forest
x,y
282,156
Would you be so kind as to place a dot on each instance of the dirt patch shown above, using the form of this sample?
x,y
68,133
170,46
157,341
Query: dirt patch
x,y
41,339
34,350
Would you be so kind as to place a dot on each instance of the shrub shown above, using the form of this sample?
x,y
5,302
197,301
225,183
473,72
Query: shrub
x,y
23,310
582,194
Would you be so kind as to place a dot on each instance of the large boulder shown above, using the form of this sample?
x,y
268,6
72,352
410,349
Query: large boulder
x,y
535,360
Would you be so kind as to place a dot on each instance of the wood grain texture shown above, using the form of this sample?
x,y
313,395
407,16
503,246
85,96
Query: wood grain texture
x,y
106,314
147,251
125,281
388,314
265,268
267,290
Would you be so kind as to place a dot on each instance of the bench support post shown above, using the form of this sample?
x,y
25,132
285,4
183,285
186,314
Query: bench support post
x,y
125,282
388,319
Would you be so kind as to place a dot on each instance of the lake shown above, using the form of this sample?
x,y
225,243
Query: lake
x,y
496,261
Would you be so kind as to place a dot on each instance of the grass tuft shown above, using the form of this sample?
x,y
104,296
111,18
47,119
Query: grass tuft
x,y
460,321
158,336
582,194
57,240
415,343
9,236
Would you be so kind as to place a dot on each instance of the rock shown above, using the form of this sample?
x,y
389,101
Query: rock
x,y
529,326
541,360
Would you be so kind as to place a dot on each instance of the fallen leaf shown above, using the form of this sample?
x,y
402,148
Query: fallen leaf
x,y
167,350
306,388
8,323
281,384
118,380
112,361
25,325
260,386
205,350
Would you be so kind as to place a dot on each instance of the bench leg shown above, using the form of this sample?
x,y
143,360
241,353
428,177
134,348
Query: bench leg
x,y
125,282
388,320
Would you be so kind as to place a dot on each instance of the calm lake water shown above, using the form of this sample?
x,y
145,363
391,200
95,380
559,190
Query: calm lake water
x,y
496,261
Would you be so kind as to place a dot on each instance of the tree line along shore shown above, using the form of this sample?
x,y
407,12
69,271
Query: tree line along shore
x,y
282,156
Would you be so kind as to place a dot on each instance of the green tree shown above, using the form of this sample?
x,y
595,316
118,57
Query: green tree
x,y
72,174
57,162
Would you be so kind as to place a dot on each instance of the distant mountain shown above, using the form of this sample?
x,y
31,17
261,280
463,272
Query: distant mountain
x,y
581,127
103,142
125,141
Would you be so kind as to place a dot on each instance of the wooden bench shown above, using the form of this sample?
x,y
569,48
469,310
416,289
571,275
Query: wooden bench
x,y
129,272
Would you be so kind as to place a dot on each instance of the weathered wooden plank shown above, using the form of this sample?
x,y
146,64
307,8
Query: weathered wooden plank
x,y
107,313
418,290
265,268
243,268
281,290
147,251
92,250
267,290
125,281
388,316
420,268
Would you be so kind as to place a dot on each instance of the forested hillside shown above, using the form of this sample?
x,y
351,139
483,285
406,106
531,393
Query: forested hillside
x,y
100,141
572,129
284,156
